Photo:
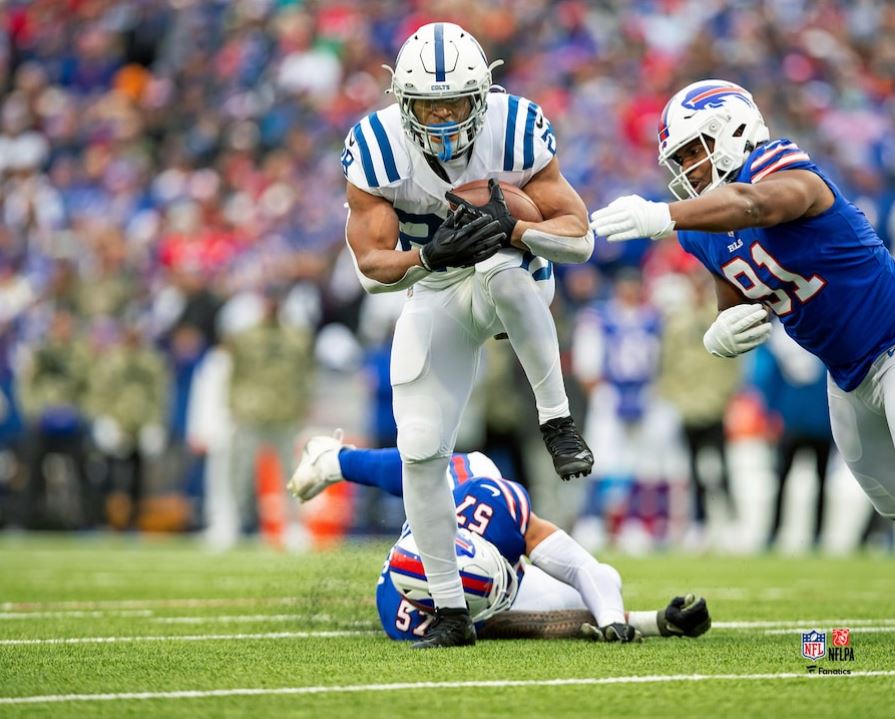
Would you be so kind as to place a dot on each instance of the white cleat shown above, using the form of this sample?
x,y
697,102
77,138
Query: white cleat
x,y
318,467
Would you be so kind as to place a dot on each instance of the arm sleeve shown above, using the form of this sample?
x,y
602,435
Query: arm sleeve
x,y
600,585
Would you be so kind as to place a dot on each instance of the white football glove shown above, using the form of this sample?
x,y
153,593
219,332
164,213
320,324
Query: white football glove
x,y
736,330
630,217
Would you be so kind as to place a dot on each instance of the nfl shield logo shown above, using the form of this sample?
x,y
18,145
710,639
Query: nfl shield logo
x,y
814,644
840,637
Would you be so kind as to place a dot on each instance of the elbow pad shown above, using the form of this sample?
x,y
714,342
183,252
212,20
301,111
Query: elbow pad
x,y
557,248
375,287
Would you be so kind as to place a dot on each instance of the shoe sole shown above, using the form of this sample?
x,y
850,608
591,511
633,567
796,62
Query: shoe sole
x,y
573,470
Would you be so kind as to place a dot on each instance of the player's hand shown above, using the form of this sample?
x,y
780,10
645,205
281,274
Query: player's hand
x,y
736,330
684,617
630,217
496,208
462,243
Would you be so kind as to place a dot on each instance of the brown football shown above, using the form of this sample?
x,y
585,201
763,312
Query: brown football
x,y
521,206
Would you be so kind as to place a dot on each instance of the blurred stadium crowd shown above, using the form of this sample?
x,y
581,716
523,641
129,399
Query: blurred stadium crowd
x,y
175,292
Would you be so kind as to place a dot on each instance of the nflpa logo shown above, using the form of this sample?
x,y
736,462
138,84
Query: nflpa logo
x,y
841,637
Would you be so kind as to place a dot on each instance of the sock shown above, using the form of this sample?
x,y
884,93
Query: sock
x,y
430,509
645,622
599,585
532,332
373,468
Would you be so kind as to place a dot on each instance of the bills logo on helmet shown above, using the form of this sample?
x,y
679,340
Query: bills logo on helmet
x,y
705,96
702,97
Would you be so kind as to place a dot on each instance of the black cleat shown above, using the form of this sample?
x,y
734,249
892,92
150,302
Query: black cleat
x,y
452,627
617,632
571,455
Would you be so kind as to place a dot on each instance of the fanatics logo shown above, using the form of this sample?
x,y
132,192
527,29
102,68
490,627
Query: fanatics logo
x,y
814,644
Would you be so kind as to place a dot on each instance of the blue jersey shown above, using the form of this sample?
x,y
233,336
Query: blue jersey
x,y
497,509
828,278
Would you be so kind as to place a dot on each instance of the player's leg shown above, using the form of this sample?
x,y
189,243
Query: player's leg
x,y
525,316
326,460
434,360
862,423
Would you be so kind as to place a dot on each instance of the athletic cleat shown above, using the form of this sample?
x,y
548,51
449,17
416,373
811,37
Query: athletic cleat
x,y
617,632
684,617
571,455
452,627
318,467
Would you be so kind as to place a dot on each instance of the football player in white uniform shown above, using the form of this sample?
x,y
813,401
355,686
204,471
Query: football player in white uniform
x,y
478,273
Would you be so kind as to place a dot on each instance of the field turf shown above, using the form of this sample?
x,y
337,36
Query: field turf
x,y
103,626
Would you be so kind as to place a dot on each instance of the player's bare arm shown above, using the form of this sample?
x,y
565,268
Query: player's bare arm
x,y
564,211
372,234
727,295
781,197
538,530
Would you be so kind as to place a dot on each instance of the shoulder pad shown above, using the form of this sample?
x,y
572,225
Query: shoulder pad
x,y
374,155
782,154
528,139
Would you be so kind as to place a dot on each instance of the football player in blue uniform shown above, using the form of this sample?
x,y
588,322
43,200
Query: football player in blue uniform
x,y
564,591
468,274
779,236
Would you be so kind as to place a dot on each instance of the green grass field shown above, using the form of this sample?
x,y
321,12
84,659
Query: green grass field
x,y
253,633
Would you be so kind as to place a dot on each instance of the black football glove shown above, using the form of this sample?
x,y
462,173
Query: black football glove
x,y
684,617
496,208
462,241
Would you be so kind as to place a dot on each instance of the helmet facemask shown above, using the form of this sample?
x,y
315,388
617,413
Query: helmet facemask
x,y
446,140
724,165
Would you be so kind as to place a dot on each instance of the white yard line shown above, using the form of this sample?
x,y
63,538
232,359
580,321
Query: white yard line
x,y
187,638
77,614
804,623
858,630
150,603
429,686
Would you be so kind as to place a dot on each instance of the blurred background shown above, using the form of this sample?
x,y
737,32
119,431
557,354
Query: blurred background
x,y
178,312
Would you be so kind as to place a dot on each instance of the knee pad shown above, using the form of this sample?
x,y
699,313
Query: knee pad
x,y
509,286
419,440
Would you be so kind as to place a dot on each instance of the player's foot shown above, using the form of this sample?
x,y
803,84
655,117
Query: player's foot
x,y
616,632
684,617
571,455
452,627
318,467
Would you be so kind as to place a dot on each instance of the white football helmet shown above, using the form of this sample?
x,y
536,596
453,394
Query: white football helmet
x,y
714,109
489,582
441,61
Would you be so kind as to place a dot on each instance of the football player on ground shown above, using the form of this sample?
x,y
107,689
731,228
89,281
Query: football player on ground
x,y
779,236
564,591
469,274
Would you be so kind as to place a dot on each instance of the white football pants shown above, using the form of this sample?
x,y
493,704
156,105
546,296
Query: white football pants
x,y
435,354
863,423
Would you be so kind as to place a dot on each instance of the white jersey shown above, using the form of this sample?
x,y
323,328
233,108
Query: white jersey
x,y
515,143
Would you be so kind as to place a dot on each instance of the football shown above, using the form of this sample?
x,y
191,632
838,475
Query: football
x,y
521,206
